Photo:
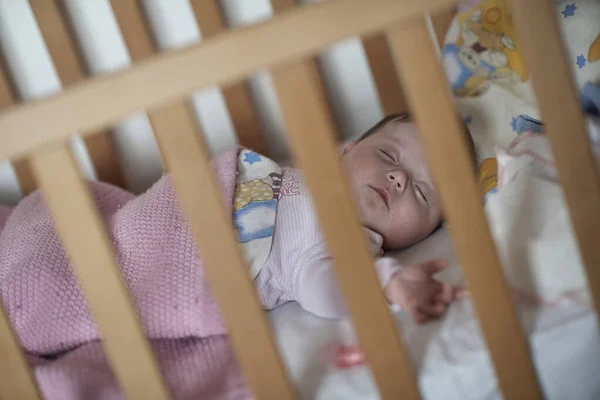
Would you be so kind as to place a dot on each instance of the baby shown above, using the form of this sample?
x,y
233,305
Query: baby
x,y
155,249
398,206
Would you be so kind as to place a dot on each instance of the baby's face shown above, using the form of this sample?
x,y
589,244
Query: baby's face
x,y
392,185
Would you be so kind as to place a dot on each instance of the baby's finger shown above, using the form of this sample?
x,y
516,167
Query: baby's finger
x,y
460,293
446,294
420,317
416,314
434,310
434,266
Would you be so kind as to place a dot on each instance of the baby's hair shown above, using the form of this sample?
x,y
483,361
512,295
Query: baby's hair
x,y
407,117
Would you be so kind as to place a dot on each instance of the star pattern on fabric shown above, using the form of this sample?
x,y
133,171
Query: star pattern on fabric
x,y
251,157
581,61
569,10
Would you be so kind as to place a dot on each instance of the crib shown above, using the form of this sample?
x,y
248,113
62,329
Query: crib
x,y
402,52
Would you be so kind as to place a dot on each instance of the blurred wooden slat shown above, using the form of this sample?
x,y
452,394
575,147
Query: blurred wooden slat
x,y
185,154
8,98
132,23
383,67
187,157
281,6
235,55
446,147
25,176
384,73
312,136
555,90
137,36
7,95
16,380
84,238
61,44
441,21
237,96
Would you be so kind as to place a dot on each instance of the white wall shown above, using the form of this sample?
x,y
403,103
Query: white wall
x,y
348,77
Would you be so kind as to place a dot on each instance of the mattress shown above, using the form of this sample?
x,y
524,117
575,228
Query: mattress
x,y
449,355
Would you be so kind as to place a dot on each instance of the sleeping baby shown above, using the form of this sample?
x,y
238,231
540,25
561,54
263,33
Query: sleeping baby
x,y
398,206
277,228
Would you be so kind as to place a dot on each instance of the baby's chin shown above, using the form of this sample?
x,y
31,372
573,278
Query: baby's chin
x,y
393,240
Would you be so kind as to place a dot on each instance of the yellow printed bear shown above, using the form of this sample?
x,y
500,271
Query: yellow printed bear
x,y
486,51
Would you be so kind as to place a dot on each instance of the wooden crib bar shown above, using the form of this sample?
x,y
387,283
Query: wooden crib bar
x,y
384,73
237,95
552,79
451,166
281,6
312,136
69,64
185,155
8,98
16,380
84,238
234,55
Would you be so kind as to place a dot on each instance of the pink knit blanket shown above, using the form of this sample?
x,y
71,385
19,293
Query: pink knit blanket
x,y
163,271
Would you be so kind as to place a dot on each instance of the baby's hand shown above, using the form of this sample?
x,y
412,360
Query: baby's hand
x,y
418,293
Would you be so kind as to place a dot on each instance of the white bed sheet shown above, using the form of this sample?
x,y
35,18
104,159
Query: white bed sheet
x,y
449,355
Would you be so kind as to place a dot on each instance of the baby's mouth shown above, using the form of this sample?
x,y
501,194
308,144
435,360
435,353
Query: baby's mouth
x,y
383,194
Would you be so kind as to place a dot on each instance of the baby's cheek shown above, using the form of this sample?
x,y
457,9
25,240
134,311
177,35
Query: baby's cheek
x,y
407,226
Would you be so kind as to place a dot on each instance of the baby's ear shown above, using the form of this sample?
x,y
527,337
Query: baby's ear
x,y
345,148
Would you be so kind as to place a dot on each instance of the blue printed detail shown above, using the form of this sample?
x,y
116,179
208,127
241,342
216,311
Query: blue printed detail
x,y
468,120
581,61
490,192
525,123
590,98
243,220
251,157
569,10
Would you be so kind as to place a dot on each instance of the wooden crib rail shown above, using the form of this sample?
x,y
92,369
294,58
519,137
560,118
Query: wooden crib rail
x,y
234,55
16,380
8,98
553,84
70,67
449,159
312,136
226,270
237,95
185,154
84,238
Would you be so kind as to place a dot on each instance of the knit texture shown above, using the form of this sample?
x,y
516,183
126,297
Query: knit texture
x,y
192,368
161,268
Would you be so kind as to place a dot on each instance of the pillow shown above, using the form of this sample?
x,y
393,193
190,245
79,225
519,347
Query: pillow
x,y
528,220
485,65
531,224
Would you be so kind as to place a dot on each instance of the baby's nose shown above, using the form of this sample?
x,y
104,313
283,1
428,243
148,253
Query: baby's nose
x,y
398,178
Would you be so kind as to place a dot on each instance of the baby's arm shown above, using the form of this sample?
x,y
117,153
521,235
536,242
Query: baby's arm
x,y
412,288
316,289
